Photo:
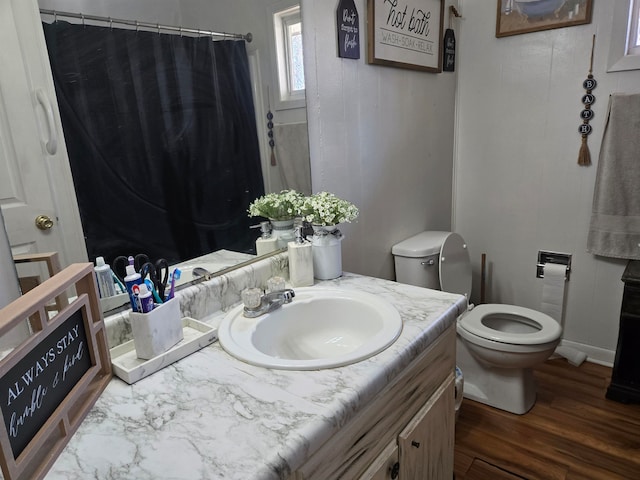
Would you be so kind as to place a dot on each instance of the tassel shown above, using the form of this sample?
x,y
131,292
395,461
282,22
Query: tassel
x,y
273,158
584,157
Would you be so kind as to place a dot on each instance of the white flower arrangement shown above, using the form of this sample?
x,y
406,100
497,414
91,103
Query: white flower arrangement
x,y
325,209
277,206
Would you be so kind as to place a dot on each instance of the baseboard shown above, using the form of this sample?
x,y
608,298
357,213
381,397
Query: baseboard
x,y
597,355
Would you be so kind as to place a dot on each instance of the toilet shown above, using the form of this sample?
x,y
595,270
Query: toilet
x,y
497,345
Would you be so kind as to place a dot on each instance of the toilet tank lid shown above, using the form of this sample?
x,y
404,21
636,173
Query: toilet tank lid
x,y
421,245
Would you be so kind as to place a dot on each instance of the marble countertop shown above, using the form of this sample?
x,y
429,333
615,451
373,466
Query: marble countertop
x,y
211,416
212,262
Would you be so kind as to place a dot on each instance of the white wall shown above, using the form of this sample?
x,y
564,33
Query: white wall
x,y
379,137
518,188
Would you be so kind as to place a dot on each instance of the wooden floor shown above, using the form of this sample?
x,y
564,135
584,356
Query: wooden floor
x,y
572,432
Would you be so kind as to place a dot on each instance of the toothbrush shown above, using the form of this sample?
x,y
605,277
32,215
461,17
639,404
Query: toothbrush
x,y
175,275
153,290
118,282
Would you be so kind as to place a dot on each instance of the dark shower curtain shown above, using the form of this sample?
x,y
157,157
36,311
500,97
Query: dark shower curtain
x,y
162,139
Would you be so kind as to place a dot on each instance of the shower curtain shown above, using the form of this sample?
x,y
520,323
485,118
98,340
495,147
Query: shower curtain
x,y
161,135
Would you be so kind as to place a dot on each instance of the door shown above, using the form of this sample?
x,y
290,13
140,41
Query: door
x,y
36,188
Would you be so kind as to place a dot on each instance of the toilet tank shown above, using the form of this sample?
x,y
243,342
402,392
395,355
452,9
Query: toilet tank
x,y
416,259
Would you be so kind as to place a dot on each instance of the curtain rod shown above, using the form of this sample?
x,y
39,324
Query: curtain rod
x,y
134,23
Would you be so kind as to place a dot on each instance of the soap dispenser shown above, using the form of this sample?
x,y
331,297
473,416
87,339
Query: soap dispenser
x,y
300,261
266,243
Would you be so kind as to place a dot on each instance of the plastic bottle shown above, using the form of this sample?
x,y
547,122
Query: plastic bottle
x,y
300,261
104,277
132,278
145,299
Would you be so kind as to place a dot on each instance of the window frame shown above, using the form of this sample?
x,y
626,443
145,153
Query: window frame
x,y
633,35
621,56
283,20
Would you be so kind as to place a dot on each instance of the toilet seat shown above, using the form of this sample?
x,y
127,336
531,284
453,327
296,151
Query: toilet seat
x,y
455,265
475,323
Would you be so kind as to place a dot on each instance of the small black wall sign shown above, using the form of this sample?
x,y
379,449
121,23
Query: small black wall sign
x,y
348,26
32,389
449,59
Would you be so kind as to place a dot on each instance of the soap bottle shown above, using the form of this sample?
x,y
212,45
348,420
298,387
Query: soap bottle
x,y
104,277
132,278
266,243
300,261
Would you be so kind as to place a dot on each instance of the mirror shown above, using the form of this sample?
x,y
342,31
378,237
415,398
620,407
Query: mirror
x,y
240,16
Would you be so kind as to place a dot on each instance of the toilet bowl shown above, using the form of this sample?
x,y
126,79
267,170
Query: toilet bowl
x,y
497,345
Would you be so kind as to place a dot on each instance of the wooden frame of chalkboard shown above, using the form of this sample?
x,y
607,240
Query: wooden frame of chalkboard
x,y
51,380
405,34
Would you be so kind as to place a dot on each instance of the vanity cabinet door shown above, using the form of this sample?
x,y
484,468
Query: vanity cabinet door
x,y
427,442
354,452
385,467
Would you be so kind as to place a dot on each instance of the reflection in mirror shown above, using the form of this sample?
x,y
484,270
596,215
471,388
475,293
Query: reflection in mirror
x,y
168,180
171,161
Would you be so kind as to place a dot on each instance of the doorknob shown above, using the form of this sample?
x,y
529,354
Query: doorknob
x,y
44,222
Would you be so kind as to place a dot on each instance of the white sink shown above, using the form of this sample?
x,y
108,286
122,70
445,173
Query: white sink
x,y
321,328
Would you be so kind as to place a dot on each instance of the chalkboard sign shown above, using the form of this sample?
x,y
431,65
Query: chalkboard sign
x,y
51,380
348,30
39,382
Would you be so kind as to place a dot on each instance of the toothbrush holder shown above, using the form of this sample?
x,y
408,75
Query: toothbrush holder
x,y
157,331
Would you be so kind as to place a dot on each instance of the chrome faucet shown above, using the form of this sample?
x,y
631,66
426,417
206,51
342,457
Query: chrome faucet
x,y
256,303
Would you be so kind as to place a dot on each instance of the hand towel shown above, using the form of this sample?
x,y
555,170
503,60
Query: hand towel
x,y
292,152
615,219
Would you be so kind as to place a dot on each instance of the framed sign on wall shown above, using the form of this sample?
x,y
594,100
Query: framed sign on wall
x,y
525,16
348,26
405,33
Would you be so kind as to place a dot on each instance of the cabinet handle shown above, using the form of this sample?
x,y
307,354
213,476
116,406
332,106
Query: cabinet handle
x,y
415,444
52,143
395,470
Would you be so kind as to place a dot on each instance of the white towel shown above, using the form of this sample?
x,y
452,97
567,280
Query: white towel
x,y
615,218
292,156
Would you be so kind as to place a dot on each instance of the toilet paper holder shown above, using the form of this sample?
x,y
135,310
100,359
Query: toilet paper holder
x,y
558,258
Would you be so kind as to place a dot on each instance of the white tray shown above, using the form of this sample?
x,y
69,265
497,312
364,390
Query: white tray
x,y
130,368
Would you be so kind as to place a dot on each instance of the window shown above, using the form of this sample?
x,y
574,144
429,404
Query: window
x,y
633,35
288,38
624,50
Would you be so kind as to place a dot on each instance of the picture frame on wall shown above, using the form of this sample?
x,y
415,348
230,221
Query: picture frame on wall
x,y
515,17
405,34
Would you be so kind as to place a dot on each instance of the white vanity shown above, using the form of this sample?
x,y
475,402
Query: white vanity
x,y
211,416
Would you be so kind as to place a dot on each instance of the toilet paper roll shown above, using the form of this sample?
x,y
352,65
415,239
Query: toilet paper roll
x,y
553,290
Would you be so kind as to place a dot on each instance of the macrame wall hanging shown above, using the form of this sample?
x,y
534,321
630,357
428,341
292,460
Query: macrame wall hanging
x,y
588,99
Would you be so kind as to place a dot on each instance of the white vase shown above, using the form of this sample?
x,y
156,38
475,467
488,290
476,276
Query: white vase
x,y
283,231
327,252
